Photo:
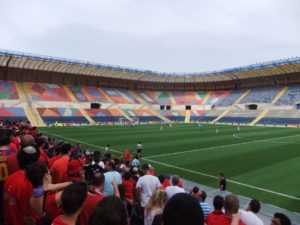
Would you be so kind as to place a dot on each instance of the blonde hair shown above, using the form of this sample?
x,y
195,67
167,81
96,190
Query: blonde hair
x,y
158,200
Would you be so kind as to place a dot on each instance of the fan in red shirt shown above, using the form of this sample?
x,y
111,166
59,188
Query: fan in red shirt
x,y
218,203
59,169
18,190
94,196
72,199
127,157
129,184
231,206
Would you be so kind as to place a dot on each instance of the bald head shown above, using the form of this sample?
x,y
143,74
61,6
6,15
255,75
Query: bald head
x,y
27,140
231,204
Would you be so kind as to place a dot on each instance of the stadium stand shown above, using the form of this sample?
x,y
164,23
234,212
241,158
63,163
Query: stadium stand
x,y
47,92
61,115
291,96
8,90
261,95
88,94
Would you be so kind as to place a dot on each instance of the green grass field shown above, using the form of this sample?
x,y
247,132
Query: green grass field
x,y
259,162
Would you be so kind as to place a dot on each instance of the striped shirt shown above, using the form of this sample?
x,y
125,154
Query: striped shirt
x,y
205,208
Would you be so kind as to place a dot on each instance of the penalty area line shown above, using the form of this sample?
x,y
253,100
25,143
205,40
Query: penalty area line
x,y
228,180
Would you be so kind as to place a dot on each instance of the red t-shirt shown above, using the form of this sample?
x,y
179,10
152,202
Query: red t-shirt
x,y
222,220
166,184
13,147
129,186
212,216
51,209
52,160
90,204
59,170
58,221
17,193
127,156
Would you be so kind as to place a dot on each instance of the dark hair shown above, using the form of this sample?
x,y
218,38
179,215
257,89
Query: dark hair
x,y
218,202
65,148
110,211
254,206
195,190
284,220
27,156
73,197
203,195
98,179
40,141
183,209
5,136
146,167
161,178
35,174
127,175
175,180
221,174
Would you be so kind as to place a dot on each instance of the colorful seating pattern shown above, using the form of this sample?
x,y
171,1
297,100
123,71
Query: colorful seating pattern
x,y
120,96
103,112
88,94
12,112
47,92
59,112
8,90
217,96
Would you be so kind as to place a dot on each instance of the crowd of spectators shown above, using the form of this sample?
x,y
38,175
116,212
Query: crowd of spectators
x,y
44,181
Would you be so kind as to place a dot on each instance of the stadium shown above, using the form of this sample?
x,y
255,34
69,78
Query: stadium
x,y
89,100
83,141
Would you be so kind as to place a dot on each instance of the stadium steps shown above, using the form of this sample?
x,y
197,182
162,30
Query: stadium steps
x,y
125,115
139,98
165,119
206,98
228,110
31,113
187,116
278,96
172,99
266,111
82,111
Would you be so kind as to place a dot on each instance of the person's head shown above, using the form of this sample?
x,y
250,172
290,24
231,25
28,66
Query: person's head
x,y
110,165
203,196
231,204
254,206
109,211
73,197
5,137
158,200
175,180
65,149
196,193
37,174
221,175
40,141
161,178
127,176
183,209
97,156
168,176
27,156
27,140
146,168
98,179
218,202
280,219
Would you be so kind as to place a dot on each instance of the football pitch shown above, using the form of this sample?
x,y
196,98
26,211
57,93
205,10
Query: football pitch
x,y
258,162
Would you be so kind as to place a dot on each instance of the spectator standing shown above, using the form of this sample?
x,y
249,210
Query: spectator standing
x,y
204,205
110,175
249,217
218,204
174,189
135,162
222,182
280,219
139,147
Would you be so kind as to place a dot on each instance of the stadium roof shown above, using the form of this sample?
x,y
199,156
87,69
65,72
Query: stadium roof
x,y
53,64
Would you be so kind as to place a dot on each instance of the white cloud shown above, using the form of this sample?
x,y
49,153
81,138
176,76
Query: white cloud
x,y
169,35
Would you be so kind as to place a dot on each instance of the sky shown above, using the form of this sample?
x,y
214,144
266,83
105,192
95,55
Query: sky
x,y
181,36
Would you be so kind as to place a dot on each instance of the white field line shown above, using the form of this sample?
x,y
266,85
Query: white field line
x,y
268,140
187,170
228,180
217,147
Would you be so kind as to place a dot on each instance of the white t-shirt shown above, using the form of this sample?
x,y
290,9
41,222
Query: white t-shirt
x,y
148,185
101,164
172,190
139,146
249,218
